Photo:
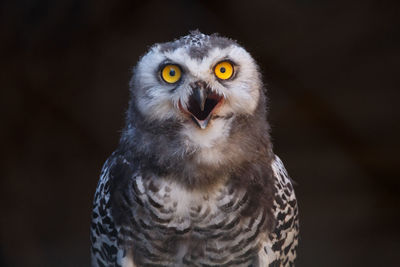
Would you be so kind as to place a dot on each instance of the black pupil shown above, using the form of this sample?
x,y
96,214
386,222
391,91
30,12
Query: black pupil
x,y
222,70
171,72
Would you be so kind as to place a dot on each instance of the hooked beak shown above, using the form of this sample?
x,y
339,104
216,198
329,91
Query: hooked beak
x,y
202,104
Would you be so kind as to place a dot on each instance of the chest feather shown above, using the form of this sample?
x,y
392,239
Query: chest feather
x,y
192,226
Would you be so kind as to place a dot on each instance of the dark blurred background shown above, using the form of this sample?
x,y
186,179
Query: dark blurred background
x,y
332,69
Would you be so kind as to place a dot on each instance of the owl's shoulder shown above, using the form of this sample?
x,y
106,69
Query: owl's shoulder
x,y
104,227
279,247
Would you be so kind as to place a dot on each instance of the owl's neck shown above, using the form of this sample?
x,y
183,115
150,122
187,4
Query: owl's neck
x,y
198,157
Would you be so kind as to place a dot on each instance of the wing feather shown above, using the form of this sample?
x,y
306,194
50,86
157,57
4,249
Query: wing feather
x,y
279,246
106,250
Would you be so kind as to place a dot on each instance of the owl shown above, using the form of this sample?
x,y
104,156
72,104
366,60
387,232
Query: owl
x,y
194,180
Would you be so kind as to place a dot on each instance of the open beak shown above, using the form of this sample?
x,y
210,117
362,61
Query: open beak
x,y
202,104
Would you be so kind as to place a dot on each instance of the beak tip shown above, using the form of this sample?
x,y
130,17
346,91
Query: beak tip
x,y
201,123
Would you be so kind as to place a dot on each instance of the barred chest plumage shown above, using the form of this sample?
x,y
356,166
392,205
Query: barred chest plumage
x,y
170,225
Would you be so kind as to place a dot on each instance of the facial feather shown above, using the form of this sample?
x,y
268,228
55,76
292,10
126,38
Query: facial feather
x,y
159,101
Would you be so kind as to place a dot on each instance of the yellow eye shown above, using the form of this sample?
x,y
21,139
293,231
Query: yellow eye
x,y
171,73
223,70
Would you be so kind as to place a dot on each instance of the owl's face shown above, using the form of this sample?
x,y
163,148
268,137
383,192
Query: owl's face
x,y
199,81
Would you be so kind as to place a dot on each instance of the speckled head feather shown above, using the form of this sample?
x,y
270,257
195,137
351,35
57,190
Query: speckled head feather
x,y
197,43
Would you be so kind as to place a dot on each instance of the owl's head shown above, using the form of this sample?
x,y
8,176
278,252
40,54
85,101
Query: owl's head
x,y
197,109
197,79
201,82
